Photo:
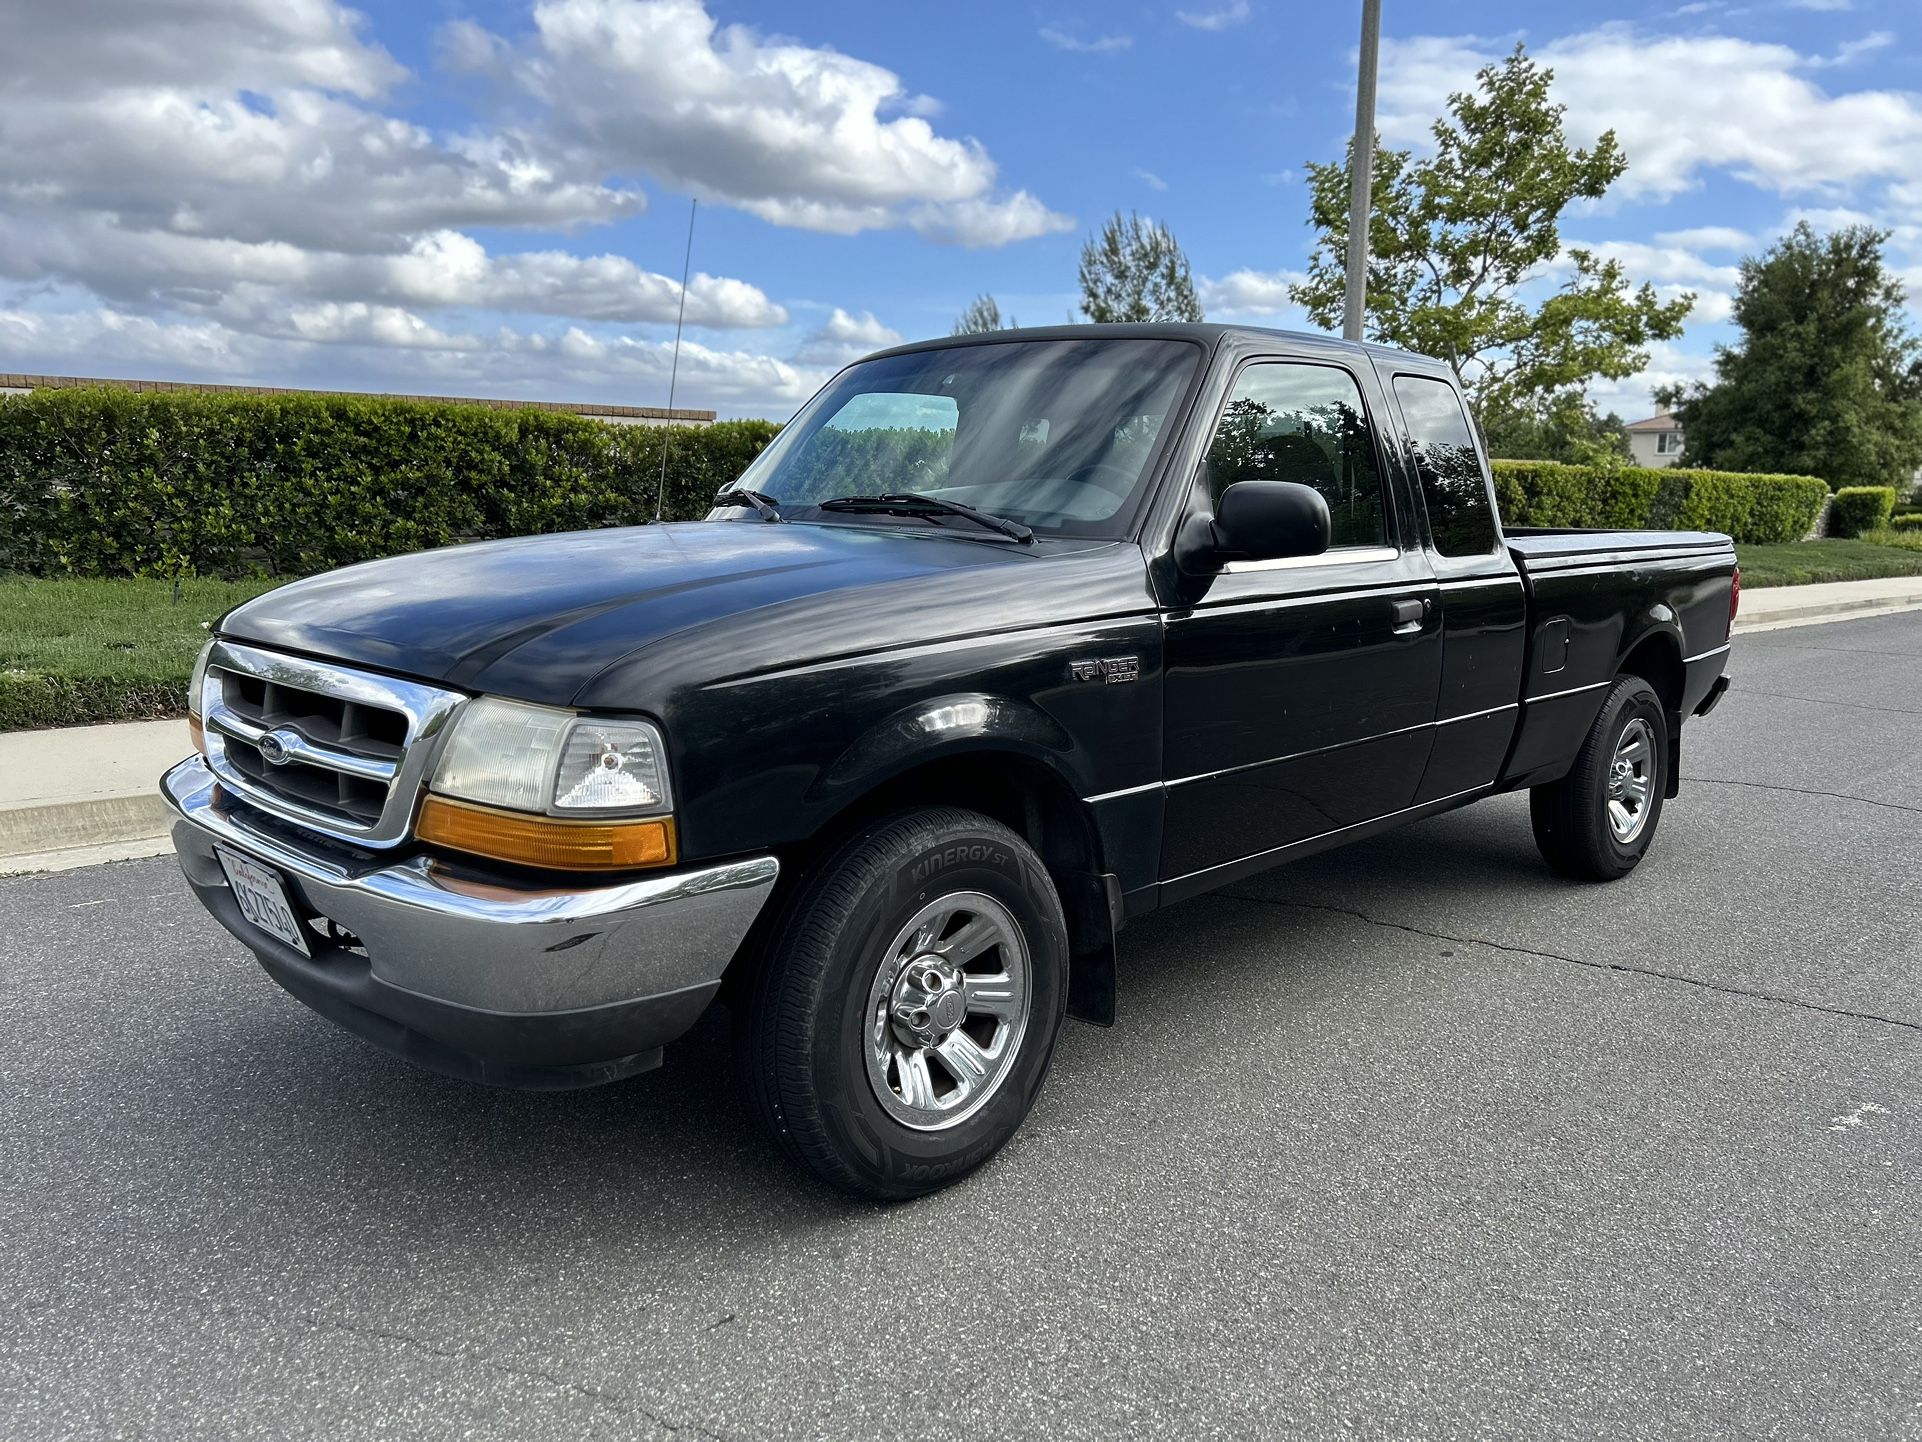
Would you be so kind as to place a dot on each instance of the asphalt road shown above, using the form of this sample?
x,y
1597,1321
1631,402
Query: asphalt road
x,y
1412,1139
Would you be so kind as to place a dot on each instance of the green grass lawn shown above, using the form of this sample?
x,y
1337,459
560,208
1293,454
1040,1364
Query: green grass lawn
x,y
1802,563
73,652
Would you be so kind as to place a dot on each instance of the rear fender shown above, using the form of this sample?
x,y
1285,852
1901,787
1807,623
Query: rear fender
x,y
1660,620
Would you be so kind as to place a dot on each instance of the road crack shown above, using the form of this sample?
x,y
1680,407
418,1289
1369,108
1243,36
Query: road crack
x,y
1654,972
1843,650
1823,701
1799,791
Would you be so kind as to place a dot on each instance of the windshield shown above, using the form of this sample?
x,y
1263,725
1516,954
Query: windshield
x,y
1055,434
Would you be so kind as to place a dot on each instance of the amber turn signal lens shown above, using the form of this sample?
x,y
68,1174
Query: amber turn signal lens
x,y
197,734
545,841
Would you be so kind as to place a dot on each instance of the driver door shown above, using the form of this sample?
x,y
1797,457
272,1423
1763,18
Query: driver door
x,y
1301,694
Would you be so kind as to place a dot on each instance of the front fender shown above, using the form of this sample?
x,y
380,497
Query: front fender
x,y
942,726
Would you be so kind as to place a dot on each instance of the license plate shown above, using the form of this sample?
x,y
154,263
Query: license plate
x,y
262,898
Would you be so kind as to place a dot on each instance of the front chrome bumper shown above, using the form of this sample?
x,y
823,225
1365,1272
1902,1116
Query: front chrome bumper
x,y
509,986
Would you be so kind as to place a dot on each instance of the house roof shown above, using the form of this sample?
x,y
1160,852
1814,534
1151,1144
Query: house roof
x,y
1660,421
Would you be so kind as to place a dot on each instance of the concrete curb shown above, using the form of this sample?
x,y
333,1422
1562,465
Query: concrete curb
x,y
81,823
86,794
81,794
1782,606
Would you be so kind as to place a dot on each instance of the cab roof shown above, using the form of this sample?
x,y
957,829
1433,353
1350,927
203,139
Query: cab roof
x,y
1208,334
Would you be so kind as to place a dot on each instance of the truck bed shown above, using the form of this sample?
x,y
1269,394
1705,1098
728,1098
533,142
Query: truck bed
x,y
1654,602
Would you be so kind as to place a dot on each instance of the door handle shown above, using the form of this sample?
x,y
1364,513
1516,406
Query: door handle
x,y
1408,616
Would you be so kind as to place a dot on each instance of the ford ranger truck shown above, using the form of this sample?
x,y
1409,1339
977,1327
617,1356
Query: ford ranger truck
x,y
1003,642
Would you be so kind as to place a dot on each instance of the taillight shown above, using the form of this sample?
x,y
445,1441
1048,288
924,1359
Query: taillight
x,y
1734,596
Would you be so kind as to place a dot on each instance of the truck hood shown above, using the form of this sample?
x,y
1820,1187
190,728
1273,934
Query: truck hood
x,y
541,618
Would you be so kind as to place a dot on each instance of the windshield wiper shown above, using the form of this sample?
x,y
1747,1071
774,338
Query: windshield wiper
x,y
903,503
742,496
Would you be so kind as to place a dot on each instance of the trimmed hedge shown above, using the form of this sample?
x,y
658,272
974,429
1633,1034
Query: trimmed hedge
x,y
1912,521
1861,509
1754,509
101,482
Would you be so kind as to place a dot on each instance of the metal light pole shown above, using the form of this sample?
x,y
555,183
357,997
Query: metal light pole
x,y
1360,175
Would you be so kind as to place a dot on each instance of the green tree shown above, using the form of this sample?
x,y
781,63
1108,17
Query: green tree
x,y
1455,238
1825,381
982,315
1569,429
1134,270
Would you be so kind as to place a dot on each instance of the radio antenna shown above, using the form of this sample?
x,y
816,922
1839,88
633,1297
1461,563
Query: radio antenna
x,y
674,366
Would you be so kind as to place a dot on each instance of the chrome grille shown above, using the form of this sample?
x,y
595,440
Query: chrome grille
x,y
331,747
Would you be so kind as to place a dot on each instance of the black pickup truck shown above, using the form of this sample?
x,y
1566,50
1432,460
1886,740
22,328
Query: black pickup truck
x,y
1004,641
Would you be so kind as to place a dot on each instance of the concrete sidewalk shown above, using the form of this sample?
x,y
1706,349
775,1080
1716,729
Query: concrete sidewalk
x,y
1765,608
82,794
85,794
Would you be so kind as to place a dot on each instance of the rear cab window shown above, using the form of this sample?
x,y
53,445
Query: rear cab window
x,y
1460,516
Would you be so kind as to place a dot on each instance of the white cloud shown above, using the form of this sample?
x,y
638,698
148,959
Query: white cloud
x,y
1671,263
1711,307
1150,179
1708,237
759,381
1099,45
1827,217
445,269
1680,105
981,223
334,322
363,348
798,135
844,337
1219,18
261,45
1633,398
1849,51
1251,295
109,340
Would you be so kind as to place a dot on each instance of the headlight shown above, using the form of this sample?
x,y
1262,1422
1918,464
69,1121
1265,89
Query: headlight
x,y
196,702
545,787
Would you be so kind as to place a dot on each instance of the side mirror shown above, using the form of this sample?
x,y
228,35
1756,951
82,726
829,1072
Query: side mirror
x,y
1256,521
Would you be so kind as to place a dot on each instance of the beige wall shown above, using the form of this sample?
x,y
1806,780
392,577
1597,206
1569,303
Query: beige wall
x,y
1641,445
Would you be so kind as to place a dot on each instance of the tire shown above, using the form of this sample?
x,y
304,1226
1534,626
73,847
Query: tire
x,y
1578,827
841,1008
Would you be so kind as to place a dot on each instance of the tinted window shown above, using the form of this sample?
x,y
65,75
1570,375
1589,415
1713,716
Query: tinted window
x,y
1059,435
1451,473
880,441
1303,423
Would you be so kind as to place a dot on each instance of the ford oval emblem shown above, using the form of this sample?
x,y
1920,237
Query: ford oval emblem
x,y
277,747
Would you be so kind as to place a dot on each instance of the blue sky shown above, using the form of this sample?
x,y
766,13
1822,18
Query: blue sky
x,y
491,197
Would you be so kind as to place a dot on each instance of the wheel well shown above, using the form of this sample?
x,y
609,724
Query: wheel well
x,y
1658,661
1022,794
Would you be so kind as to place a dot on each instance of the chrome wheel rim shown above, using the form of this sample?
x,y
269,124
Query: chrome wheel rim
x,y
947,1010
1631,780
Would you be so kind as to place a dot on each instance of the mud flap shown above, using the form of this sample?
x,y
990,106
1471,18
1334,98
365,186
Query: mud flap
x,y
1674,786
1093,920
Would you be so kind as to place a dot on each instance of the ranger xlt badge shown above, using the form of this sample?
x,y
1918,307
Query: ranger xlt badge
x,y
1111,669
